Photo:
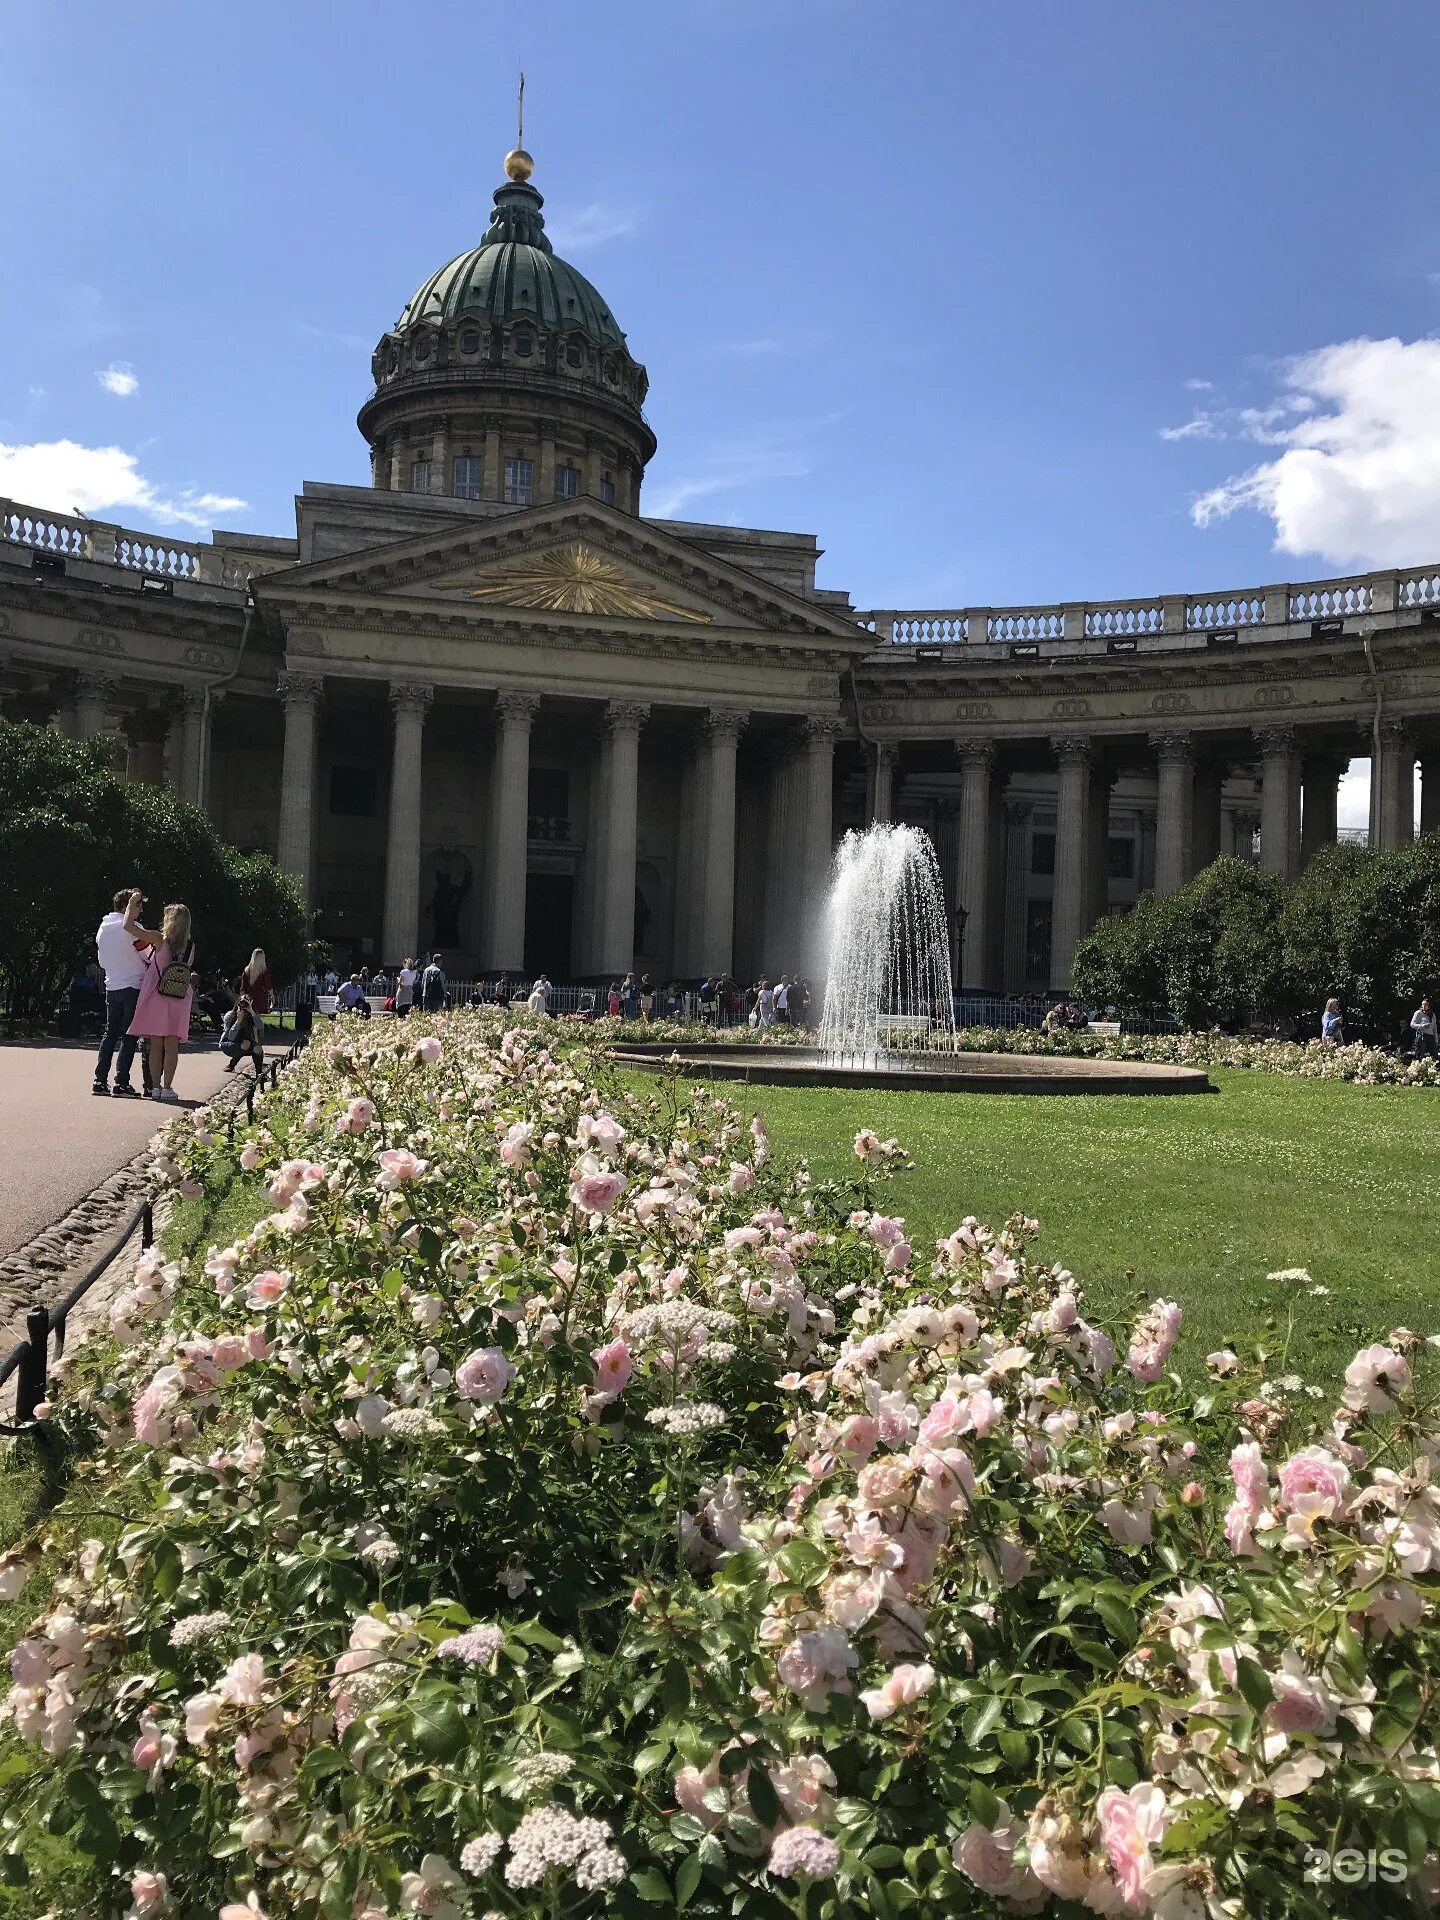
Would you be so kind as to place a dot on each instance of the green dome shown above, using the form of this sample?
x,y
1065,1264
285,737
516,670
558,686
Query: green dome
x,y
514,271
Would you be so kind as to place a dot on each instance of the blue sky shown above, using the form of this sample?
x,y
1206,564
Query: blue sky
x,y
933,281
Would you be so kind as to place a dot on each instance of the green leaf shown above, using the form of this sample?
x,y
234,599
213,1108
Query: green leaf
x,y
651,1885
764,1801
1118,1617
436,1724
1014,1746
984,1805
980,1718
1254,1683
392,1283
801,1561
166,1570
686,1881
884,1859
684,1826
13,1870
675,1689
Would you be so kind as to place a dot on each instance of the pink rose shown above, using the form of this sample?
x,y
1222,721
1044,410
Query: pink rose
x,y
147,1891
900,1688
484,1375
230,1352
596,1192
1373,1377
613,1367
515,1146
1130,1824
1315,1474
397,1165
249,1156
266,1288
429,1051
741,1180
358,1115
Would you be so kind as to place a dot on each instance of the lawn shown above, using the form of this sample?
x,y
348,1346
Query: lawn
x,y
1197,1199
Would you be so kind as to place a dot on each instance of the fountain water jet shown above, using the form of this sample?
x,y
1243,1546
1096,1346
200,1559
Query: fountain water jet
x,y
888,987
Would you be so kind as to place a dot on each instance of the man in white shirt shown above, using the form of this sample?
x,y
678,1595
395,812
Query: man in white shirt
x,y
124,970
782,1001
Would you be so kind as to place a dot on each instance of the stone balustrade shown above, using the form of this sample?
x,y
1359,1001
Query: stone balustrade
x,y
1386,593
159,556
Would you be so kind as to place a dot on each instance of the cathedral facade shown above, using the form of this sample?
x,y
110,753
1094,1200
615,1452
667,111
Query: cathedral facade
x,y
485,706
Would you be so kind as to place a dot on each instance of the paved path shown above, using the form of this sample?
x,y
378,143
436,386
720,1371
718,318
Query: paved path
x,y
57,1141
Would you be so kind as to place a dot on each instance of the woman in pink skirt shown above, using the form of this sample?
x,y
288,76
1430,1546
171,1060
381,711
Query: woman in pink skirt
x,y
162,1013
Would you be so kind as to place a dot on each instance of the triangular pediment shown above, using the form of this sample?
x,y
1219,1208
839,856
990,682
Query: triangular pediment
x,y
580,564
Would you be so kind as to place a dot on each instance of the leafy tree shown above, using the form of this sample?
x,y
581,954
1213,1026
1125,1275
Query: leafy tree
x,y
1365,926
75,831
1211,952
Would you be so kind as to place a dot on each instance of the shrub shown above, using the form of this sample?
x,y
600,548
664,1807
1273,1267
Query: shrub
x,y
554,1507
75,831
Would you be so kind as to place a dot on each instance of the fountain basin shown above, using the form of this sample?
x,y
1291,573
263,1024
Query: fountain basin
x,y
918,1072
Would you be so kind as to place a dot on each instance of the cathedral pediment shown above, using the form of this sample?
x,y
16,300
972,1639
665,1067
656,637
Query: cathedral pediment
x,y
580,564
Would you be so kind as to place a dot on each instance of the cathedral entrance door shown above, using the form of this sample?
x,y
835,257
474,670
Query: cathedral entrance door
x,y
549,911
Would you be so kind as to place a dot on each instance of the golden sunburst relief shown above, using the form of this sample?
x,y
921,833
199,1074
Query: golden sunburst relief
x,y
579,580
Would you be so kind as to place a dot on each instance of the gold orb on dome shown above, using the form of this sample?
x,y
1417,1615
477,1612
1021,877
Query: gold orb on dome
x,y
518,164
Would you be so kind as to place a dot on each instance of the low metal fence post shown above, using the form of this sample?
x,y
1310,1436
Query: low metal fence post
x,y
30,1386
147,1223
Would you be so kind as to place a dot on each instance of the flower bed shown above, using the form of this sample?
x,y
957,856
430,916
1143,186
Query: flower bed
x,y
1369,1066
553,1507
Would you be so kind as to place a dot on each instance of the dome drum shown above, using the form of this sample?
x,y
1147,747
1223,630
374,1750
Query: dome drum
x,y
507,333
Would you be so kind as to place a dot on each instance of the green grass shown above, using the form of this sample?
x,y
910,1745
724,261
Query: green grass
x,y
1195,1198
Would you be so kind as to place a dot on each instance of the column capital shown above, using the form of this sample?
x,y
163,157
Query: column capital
x,y
882,753
97,686
624,716
300,689
516,709
1017,810
1073,749
1146,814
1173,745
1325,763
723,725
975,753
1395,733
820,730
410,696
1275,739
192,699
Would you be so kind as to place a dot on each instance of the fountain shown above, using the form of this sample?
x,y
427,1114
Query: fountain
x,y
889,1008
887,988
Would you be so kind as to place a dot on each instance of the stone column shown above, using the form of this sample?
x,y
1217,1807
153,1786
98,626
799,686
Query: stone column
x,y
1279,829
779,922
1017,872
1174,809
545,478
439,465
1429,786
1320,778
1072,821
1097,844
402,847
1145,822
301,695
816,836
93,694
173,753
880,778
1392,786
194,740
713,914
619,795
972,870
510,831
1205,825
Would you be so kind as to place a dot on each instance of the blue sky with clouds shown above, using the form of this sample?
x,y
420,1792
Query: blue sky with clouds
x,y
1006,302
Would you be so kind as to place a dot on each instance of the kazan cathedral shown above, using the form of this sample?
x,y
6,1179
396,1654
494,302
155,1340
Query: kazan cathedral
x,y
484,705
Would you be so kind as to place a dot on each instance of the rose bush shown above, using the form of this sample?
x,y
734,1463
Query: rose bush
x,y
553,1507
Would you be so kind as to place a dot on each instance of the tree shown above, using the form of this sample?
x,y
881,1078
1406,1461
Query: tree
x,y
75,831
1210,952
1365,926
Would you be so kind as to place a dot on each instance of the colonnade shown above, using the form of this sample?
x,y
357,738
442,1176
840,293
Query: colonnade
x,y
1298,780
798,814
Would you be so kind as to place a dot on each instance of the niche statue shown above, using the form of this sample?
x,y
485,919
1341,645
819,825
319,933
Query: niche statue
x,y
446,901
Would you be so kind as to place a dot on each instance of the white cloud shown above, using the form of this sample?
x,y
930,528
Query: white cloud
x,y
741,463
119,378
1199,386
64,477
1352,803
591,226
1203,426
1358,482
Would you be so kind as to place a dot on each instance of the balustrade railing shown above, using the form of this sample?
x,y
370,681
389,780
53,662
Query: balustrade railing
x,y
73,537
1385,593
